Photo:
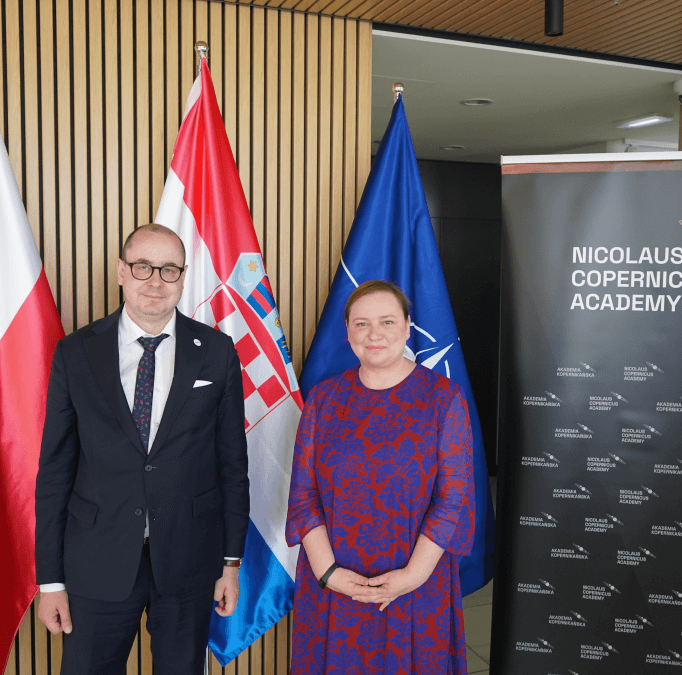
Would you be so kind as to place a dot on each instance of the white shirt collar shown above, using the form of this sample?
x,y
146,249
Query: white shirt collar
x,y
129,331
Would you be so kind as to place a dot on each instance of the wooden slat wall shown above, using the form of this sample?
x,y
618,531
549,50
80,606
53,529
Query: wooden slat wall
x,y
91,97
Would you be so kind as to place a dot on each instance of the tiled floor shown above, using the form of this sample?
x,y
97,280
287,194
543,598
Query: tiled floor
x,y
478,610
478,613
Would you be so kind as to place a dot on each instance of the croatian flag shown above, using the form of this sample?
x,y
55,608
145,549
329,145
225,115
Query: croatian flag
x,y
392,239
227,287
29,330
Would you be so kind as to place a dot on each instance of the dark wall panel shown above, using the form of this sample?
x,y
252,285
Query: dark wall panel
x,y
465,207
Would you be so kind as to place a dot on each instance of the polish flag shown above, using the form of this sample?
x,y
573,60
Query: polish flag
x,y
29,330
227,287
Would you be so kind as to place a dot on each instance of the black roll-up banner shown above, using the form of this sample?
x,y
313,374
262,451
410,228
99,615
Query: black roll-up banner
x,y
589,550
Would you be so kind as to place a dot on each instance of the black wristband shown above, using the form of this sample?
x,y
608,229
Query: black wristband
x,y
322,583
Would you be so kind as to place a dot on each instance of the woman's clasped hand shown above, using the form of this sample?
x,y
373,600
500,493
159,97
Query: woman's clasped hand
x,y
385,588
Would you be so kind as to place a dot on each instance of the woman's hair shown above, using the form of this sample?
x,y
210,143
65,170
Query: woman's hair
x,y
376,286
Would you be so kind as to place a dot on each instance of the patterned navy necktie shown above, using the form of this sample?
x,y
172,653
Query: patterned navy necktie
x,y
144,387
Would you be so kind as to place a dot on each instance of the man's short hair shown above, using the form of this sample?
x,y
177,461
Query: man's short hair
x,y
151,227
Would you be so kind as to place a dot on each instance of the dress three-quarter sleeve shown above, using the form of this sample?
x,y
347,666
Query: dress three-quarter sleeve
x,y
305,507
449,521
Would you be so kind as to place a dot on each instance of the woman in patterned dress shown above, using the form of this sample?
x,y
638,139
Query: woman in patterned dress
x,y
382,499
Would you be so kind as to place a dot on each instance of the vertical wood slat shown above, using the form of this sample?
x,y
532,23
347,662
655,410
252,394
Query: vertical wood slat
x,y
311,178
111,125
363,135
324,112
30,108
48,145
285,99
158,85
14,140
271,150
297,187
215,43
80,166
96,216
337,107
229,107
40,644
142,113
187,53
127,121
243,153
350,127
83,137
25,660
65,216
258,120
173,97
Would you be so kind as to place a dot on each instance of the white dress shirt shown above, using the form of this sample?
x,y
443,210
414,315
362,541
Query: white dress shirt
x,y
129,354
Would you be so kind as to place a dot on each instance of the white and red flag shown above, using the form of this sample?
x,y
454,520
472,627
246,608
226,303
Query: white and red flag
x,y
227,287
29,330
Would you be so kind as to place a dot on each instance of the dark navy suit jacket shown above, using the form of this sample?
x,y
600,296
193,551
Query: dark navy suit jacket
x,y
96,481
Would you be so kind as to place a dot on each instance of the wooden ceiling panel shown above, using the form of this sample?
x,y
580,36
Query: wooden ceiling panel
x,y
645,29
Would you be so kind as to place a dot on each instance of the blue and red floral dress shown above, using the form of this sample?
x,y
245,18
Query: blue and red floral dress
x,y
379,468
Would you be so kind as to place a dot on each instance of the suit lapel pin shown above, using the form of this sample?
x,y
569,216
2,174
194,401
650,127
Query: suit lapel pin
x,y
197,343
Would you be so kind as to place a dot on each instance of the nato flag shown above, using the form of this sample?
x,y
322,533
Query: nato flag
x,y
392,239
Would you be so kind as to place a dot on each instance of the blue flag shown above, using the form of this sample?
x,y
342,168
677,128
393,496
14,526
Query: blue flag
x,y
392,239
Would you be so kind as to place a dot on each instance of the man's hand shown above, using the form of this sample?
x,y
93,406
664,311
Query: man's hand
x,y
385,588
227,591
346,582
53,611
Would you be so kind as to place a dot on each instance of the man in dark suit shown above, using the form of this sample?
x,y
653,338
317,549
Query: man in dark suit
x,y
142,495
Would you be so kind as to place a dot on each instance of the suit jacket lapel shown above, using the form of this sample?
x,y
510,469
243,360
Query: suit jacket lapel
x,y
101,349
189,357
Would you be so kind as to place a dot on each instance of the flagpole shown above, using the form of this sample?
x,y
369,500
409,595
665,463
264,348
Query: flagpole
x,y
398,90
201,49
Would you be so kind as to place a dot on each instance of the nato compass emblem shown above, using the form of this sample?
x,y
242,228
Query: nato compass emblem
x,y
647,552
583,489
652,430
654,367
546,584
617,458
550,518
614,519
619,397
581,549
550,456
610,648
611,587
643,620
579,616
677,593
649,491
544,643
553,396
584,428
586,367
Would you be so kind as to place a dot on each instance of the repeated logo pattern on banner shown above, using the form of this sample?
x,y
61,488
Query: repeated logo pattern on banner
x,y
589,562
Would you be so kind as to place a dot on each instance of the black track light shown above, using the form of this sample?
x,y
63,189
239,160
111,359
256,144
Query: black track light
x,y
554,17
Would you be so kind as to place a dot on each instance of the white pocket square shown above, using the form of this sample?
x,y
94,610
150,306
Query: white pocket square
x,y
201,383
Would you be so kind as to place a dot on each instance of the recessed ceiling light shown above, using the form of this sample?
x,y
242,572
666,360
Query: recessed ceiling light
x,y
477,101
646,121
452,147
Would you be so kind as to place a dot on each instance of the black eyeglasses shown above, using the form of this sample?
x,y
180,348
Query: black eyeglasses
x,y
142,271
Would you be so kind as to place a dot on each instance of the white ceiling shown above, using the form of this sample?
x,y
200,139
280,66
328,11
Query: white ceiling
x,y
543,103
